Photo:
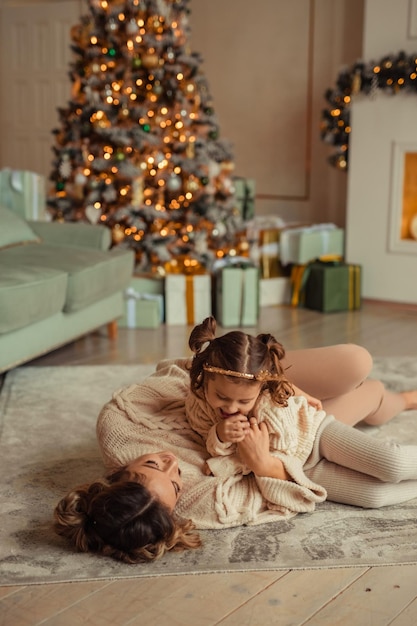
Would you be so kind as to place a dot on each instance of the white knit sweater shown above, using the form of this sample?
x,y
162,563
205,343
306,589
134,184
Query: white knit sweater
x,y
150,416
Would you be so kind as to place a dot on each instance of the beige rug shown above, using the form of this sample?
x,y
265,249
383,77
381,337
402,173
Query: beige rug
x,y
47,446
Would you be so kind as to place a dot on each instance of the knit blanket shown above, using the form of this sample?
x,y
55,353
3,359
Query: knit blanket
x,y
150,416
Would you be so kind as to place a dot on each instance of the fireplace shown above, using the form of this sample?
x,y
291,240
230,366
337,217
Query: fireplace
x,y
381,220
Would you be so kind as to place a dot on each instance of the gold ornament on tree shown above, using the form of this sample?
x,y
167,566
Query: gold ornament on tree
x,y
117,234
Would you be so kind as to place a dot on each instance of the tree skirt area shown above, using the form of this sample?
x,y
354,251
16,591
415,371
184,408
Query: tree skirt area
x,y
48,446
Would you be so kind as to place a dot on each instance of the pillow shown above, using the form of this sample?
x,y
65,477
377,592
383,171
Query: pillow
x,y
13,229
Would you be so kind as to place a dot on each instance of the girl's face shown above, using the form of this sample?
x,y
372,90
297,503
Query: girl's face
x,y
160,474
229,396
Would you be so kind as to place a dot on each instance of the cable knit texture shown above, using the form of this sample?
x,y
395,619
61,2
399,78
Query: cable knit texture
x,y
151,416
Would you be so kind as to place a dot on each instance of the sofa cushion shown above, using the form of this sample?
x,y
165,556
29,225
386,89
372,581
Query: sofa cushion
x,y
29,294
13,229
92,274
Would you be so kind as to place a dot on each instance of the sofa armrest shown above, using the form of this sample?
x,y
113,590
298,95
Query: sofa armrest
x,y
76,235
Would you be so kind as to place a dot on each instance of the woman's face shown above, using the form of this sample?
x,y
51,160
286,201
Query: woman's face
x,y
229,397
160,474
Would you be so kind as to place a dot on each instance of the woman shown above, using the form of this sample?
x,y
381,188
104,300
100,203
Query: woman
x,y
129,518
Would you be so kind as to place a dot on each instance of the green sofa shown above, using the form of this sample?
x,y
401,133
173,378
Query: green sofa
x,y
58,281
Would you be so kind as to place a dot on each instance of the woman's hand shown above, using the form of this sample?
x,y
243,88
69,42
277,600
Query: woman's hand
x,y
314,402
254,452
233,429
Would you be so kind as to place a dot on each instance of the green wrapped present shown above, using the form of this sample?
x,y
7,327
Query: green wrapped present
x,y
308,243
332,286
245,196
237,295
142,310
144,303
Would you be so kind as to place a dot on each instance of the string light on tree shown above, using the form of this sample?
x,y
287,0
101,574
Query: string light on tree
x,y
139,146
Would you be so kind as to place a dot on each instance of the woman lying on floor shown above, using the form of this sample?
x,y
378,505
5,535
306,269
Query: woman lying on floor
x,y
270,454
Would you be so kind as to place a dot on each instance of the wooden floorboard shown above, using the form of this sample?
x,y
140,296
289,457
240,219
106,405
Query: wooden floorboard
x,y
376,596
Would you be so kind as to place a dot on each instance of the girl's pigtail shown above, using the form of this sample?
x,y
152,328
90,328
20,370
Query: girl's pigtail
x,y
280,389
202,334
200,343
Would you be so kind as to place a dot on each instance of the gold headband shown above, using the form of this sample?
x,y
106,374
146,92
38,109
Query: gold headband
x,y
261,376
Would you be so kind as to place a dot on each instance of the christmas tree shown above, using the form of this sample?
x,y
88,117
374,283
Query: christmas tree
x,y
139,148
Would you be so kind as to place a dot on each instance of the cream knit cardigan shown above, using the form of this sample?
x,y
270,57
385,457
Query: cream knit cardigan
x,y
151,416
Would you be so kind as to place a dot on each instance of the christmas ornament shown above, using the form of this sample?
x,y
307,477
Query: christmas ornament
x,y
92,214
150,60
413,227
117,234
65,167
174,183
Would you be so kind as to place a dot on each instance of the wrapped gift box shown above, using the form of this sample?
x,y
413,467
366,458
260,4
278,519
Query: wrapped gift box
x,y
143,310
305,244
264,234
274,291
23,192
144,303
237,296
187,298
245,196
333,287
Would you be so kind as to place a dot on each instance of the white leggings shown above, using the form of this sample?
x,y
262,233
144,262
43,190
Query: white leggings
x,y
361,470
338,376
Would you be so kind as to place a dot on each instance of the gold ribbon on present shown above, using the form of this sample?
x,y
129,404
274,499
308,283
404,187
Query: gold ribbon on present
x,y
354,286
189,298
269,252
297,283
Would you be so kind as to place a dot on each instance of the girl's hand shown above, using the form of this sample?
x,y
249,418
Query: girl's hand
x,y
314,402
233,429
254,452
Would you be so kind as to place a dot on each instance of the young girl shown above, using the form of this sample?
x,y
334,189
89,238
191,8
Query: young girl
x,y
244,407
280,462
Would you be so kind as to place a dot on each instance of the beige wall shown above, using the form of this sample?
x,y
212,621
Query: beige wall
x,y
268,64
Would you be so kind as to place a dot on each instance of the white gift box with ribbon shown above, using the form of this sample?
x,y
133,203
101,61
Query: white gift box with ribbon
x,y
142,310
305,244
187,298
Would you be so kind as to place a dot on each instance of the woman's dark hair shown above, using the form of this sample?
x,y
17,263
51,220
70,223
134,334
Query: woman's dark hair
x,y
119,517
237,351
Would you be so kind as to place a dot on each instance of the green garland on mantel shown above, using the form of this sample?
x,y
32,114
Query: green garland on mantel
x,y
391,74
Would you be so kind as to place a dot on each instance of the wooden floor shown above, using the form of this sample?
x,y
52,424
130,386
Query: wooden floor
x,y
347,596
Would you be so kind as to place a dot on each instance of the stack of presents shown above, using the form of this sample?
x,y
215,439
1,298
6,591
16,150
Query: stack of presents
x,y
301,266
286,264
